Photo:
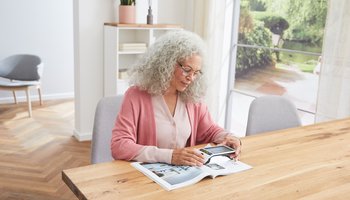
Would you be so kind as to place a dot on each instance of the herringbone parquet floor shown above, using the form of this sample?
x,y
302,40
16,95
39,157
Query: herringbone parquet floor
x,y
34,151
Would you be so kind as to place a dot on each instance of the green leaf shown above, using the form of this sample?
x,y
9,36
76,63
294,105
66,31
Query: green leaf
x,y
127,2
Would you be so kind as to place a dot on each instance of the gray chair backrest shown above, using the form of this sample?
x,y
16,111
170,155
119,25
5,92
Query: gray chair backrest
x,y
269,113
21,67
106,112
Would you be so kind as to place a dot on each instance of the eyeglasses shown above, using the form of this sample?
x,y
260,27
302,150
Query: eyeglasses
x,y
187,71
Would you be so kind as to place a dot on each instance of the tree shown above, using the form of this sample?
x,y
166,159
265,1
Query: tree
x,y
253,33
276,24
306,17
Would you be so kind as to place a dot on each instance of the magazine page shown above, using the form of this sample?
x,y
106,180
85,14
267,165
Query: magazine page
x,y
170,176
222,165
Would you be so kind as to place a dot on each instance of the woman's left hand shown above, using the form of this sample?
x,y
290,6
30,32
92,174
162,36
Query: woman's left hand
x,y
233,142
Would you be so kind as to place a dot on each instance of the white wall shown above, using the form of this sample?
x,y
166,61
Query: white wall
x,y
89,17
44,28
175,12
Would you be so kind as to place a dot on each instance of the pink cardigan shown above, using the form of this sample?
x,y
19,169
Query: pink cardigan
x,y
135,125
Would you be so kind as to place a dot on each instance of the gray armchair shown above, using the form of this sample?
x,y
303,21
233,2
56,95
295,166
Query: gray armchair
x,y
20,72
269,113
106,112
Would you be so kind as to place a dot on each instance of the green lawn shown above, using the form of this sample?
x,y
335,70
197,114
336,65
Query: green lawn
x,y
304,67
306,63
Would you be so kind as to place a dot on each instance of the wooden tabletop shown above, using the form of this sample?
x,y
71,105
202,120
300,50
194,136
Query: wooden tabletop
x,y
311,162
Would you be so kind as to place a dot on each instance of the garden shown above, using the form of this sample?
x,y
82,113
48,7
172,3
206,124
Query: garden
x,y
280,33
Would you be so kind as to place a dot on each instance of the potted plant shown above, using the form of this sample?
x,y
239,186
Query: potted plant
x,y
127,12
127,2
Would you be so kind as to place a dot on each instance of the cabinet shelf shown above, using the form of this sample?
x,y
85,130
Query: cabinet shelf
x,y
143,26
116,59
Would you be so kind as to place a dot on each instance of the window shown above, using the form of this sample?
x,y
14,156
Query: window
x,y
278,53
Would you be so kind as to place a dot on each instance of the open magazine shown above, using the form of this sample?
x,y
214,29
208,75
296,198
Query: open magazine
x,y
172,177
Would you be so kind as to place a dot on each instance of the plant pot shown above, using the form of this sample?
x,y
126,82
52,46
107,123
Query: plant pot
x,y
127,14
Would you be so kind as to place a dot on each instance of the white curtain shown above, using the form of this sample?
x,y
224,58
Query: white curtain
x,y
333,101
212,19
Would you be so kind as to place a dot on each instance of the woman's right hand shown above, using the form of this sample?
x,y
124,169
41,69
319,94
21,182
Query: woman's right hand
x,y
187,156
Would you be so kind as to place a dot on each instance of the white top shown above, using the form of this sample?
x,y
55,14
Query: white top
x,y
172,132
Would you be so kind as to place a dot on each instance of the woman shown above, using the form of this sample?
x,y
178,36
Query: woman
x,y
162,115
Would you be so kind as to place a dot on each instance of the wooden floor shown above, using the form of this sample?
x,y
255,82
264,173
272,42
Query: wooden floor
x,y
34,151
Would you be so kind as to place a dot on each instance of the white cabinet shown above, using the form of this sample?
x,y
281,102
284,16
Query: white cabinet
x,y
123,43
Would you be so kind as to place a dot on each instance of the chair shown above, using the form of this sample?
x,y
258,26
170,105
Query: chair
x,y
105,115
20,72
269,113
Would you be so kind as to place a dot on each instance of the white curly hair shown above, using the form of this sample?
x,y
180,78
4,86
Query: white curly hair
x,y
154,70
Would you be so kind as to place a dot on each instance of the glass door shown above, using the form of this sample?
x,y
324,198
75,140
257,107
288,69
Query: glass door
x,y
278,52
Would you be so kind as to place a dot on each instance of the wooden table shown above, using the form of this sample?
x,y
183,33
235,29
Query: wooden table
x,y
311,162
